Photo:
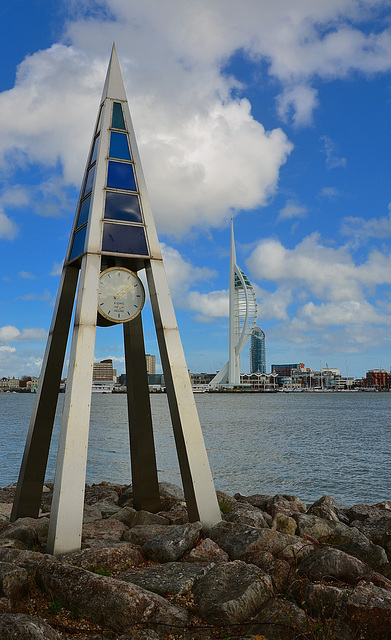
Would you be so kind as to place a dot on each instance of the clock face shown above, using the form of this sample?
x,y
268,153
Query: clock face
x,y
121,294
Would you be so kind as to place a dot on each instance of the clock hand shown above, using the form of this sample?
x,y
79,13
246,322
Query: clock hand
x,y
121,293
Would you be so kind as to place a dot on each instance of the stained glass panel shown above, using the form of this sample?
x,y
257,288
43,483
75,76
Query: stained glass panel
x,y
121,176
120,238
117,121
119,147
122,206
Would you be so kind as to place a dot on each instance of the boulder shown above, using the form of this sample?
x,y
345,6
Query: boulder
x,y
284,524
22,557
243,542
22,531
125,515
368,612
114,604
231,593
259,500
91,513
13,581
245,513
173,544
104,530
140,534
328,509
280,619
108,558
207,551
20,626
145,517
375,527
170,494
332,564
287,504
173,578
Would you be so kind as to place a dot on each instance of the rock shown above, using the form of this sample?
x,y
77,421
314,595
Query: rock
x,y
285,504
20,626
177,514
368,612
245,513
140,534
170,494
102,491
348,539
328,509
207,551
145,517
375,527
280,619
320,599
174,578
5,511
23,532
284,524
259,500
112,603
332,564
124,515
243,542
13,581
172,544
22,557
91,513
231,593
104,530
109,558
107,507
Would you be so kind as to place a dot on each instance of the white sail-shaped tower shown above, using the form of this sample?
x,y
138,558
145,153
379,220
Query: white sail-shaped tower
x,y
242,320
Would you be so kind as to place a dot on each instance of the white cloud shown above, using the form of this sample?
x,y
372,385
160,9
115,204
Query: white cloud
x,y
7,349
298,102
362,229
27,275
181,274
292,209
331,150
9,333
211,305
8,228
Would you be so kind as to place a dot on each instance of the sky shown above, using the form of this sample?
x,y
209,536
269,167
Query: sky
x,y
277,115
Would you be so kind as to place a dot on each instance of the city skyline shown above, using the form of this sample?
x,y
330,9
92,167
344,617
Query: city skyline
x,y
277,116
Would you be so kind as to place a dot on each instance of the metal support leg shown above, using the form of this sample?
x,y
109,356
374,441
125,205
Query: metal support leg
x,y
197,479
66,516
142,447
32,472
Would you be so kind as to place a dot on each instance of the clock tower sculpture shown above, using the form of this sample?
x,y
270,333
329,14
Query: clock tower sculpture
x,y
113,237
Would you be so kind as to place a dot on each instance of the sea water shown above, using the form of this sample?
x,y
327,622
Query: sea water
x,y
306,444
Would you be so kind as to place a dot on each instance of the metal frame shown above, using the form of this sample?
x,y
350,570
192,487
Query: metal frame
x,y
82,275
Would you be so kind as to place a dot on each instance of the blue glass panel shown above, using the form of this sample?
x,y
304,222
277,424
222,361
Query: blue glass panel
x,y
94,150
90,180
121,176
78,243
122,206
119,146
120,238
84,211
117,121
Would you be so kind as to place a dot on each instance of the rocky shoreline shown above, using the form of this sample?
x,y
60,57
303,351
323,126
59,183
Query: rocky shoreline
x,y
273,568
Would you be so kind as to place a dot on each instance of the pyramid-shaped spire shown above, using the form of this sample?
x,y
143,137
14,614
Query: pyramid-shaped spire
x,y
114,85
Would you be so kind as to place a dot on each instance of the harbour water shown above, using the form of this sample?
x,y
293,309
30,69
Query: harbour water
x,y
306,444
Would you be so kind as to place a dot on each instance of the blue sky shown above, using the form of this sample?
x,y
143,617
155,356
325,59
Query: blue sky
x,y
278,114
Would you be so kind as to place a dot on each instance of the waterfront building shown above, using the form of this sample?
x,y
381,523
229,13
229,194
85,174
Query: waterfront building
x,y
104,371
379,378
242,320
9,384
257,351
151,363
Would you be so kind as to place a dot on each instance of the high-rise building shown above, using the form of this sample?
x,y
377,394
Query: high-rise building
x,y
151,363
242,320
104,371
257,351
